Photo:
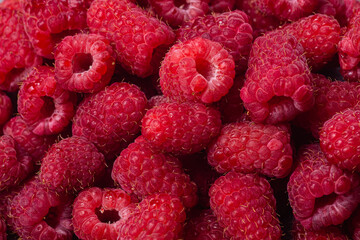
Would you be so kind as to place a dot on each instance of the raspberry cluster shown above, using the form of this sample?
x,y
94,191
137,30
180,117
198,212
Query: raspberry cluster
x,y
179,119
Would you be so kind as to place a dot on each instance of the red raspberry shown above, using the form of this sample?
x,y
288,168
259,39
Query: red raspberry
x,y
181,128
16,52
244,205
11,4
319,34
6,108
84,63
111,118
97,213
252,147
140,40
43,104
277,85
158,216
220,6
331,232
47,22
176,12
38,213
15,165
58,171
320,193
352,75
27,141
354,224
143,171
2,229
198,69
340,139
335,8
231,29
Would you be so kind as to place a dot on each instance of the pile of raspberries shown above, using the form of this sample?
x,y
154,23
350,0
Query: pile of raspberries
x,y
180,119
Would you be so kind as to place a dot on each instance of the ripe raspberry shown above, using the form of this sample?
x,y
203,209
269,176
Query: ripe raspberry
x,y
15,165
84,63
97,212
353,224
38,213
158,216
277,85
58,171
43,104
244,205
220,6
2,229
176,12
16,52
181,128
320,193
331,232
47,22
319,34
335,8
111,118
252,147
231,29
27,141
140,40
143,171
11,4
6,108
352,75
198,70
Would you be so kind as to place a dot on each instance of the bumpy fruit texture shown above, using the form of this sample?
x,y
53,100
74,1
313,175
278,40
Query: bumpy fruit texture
x,y
58,171
332,232
181,128
197,70
278,79
320,193
335,8
143,171
231,29
84,63
140,40
220,6
6,108
111,118
96,213
252,147
43,104
244,205
354,224
11,4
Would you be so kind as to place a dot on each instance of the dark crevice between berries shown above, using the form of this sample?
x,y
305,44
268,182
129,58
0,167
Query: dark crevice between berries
x,y
48,107
182,4
157,56
82,62
107,216
205,68
52,218
57,37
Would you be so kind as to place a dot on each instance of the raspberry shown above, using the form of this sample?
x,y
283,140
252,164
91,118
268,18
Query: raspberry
x,y
198,69
340,139
15,165
158,216
43,104
335,8
331,232
84,63
181,128
2,229
352,75
320,193
143,171
220,6
319,34
111,118
277,85
11,4
27,141
231,29
47,22
176,12
97,212
140,40
16,52
6,108
38,213
252,147
354,224
58,171
244,205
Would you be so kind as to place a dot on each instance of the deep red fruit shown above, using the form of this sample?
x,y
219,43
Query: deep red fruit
x,y
111,118
278,80
6,108
143,171
71,165
244,205
181,128
354,224
320,193
84,63
96,213
2,229
11,4
220,6
252,147
43,104
158,216
335,8
331,232
140,40
197,70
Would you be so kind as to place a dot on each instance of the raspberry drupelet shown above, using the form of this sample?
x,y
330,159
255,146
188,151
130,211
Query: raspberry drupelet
x,y
331,232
